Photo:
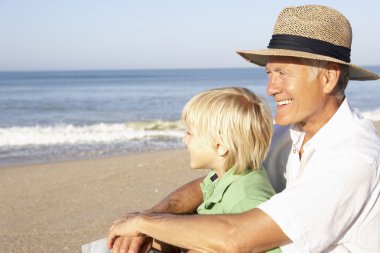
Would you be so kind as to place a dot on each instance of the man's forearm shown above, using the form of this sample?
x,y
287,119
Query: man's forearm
x,y
253,231
185,199
182,231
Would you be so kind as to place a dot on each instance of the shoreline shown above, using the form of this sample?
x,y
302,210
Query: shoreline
x,y
87,158
84,158
59,206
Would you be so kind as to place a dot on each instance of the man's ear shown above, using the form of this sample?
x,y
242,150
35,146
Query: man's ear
x,y
330,77
221,150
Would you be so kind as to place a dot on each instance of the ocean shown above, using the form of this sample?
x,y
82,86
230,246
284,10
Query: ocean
x,y
69,115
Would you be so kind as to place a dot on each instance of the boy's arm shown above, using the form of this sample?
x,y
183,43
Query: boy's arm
x,y
185,199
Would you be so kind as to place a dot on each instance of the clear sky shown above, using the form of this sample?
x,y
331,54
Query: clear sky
x,y
142,34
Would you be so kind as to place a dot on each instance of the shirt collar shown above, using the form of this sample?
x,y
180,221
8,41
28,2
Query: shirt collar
x,y
336,126
217,188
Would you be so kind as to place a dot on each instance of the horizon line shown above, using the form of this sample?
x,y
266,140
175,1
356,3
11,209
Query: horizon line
x,y
141,69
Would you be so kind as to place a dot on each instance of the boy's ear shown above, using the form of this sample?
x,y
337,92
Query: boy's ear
x,y
221,150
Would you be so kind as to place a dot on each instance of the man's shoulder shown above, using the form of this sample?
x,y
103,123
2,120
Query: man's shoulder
x,y
354,145
360,133
364,140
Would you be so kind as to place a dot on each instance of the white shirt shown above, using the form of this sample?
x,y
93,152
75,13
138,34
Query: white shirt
x,y
331,202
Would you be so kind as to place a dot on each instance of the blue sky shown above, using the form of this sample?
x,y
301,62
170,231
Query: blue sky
x,y
141,34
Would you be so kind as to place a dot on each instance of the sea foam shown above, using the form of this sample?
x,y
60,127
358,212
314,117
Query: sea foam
x,y
87,134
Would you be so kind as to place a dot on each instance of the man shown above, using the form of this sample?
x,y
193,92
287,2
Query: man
x,y
331,201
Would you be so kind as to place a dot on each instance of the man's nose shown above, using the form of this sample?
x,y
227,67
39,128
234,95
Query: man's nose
x,y
272,87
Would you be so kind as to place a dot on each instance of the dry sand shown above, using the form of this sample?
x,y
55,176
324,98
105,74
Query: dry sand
x,y
58,207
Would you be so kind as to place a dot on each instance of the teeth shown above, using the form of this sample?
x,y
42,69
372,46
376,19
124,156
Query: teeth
x,y
284,102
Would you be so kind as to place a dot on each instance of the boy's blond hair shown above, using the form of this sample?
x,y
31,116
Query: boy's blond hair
x,y
235,118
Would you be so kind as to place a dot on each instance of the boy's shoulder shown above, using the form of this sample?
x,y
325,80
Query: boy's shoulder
x,y
252,183
249,189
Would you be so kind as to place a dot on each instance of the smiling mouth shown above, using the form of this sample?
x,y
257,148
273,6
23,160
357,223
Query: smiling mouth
x,y
284,102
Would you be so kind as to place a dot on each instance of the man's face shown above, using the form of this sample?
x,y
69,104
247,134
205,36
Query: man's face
x,y
299,97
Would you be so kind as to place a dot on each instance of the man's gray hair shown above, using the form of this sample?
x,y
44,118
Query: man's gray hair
x,y
317,66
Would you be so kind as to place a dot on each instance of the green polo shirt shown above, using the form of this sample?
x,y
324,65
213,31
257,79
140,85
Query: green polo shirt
x,y
235,193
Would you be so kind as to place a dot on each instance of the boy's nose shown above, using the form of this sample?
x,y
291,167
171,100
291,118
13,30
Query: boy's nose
x,y
184,139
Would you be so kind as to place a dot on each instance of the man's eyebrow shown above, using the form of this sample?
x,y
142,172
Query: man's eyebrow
x,y
276,69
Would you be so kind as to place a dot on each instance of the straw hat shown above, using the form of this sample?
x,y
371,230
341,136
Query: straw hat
x,y
313,32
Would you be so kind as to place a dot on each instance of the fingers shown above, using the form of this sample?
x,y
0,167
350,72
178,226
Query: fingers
x,y
126,244
124,247
124,226
136,244
117,244
111,233
111,238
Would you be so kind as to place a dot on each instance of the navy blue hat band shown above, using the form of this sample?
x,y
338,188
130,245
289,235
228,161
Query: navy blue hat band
x,y
314,46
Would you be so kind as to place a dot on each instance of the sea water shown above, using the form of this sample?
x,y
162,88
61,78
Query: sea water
x,y
61,115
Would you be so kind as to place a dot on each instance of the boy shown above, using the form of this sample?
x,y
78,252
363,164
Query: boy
x,y
229,131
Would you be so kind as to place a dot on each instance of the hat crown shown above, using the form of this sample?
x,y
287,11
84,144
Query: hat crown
x,y
315,22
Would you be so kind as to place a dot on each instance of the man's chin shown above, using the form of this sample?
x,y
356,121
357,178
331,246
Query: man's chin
x,y
281,123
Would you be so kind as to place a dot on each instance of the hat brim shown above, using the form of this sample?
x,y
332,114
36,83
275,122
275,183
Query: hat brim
x,y
260,57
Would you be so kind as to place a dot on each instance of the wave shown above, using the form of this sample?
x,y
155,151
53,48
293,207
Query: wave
x,y
90,134
61,134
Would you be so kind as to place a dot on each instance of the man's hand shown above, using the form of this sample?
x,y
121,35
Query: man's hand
x,y
123,219
125,244
186,199
126,226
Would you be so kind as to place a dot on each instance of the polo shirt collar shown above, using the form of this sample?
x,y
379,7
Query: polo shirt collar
x,y
217,188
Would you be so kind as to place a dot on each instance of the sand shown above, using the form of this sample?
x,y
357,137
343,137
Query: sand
x,y
57,207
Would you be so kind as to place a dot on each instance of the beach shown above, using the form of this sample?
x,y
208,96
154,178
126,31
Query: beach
x,y
57,207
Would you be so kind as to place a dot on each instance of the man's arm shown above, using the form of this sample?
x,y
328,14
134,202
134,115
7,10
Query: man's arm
x,y
185,199
252,231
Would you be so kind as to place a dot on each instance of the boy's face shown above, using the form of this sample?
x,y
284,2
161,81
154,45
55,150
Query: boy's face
x,y
202,155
